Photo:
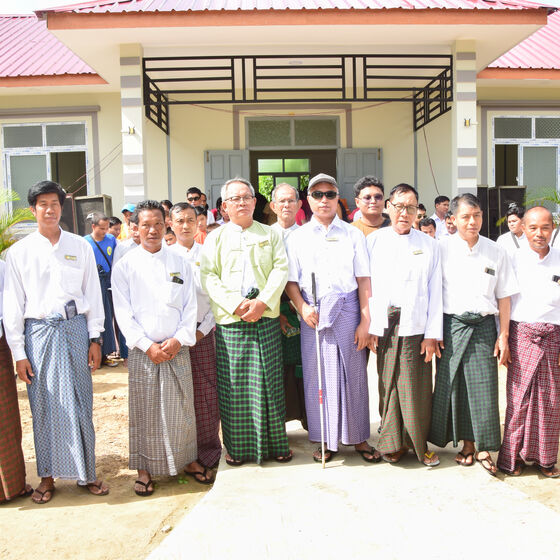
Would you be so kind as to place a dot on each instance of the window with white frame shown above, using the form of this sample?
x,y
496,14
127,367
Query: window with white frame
x,y
34,152
526,152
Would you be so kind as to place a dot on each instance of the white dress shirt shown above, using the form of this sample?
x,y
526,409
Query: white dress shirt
x,y
284,232
337,254
122,248
204,315
406,273
149,306
41,278
506,241
474,279
2,274
538,300
441,228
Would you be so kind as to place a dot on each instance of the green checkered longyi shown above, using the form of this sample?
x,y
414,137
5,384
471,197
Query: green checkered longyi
x,y
465,401
251,389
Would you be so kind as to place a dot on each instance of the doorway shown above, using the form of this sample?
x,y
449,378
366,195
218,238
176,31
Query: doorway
x,y
268,168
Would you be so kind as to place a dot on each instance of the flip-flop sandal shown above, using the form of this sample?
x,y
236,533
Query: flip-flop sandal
x,y
463,462
426,460
390,457
487,463
234,462
25,493
42,494
203,475
285,458
552,474
328,455
98,486
376,456
146,492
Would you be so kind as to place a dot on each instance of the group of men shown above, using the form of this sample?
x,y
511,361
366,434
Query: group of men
x,y
237,329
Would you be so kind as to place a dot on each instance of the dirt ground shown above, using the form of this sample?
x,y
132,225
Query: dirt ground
x,y
76,524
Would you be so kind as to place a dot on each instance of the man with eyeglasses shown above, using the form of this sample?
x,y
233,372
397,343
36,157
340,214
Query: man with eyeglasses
x,y
406,323
335,252
244,269
195,197
285,203
370,202
478,281
420,215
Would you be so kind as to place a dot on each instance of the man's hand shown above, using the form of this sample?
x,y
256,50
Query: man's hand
x,y
373,343
171,347
254,310
284,323
94,356
199,336
430,346
361,336
501,350
156,354
310,316
23,369
242,308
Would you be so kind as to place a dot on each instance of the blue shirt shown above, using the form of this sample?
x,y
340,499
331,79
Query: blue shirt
x,y
107,246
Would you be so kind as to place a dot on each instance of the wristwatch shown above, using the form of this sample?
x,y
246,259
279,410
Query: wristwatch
x,y
97,340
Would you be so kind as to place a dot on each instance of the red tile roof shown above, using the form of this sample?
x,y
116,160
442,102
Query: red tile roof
x,y
27,48
539,51
120,6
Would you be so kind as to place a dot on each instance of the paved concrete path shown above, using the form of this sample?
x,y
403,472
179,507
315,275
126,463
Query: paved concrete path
x,y
353,509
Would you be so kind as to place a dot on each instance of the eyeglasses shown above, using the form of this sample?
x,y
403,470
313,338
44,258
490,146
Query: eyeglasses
x,y
193,198
368,197
318,195
409,208
238,199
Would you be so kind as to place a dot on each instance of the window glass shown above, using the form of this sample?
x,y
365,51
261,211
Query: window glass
x,y
66,135
23,136
512,128
269,133
315,132
547,128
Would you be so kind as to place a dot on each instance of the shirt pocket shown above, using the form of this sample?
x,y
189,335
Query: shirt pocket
x,y
552,290
173,295
488,278
71,280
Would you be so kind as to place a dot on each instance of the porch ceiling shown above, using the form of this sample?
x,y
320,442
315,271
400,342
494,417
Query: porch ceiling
x,y
100,48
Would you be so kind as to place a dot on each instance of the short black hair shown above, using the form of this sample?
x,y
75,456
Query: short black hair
x,y
180,206
467,198
201,211
448,215
45,187
194,190
403,188
114,221
146,205
169,231
166,203
95,217
365,182
515,210
427,222
421,206
441,198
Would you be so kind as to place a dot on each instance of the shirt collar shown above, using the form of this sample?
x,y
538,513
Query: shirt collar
x,y
159,255
335,224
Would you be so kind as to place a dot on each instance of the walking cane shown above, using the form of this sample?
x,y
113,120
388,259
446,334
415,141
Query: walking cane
x,y
321,404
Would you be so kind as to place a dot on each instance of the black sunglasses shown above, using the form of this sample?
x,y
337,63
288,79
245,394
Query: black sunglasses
x,y
318,195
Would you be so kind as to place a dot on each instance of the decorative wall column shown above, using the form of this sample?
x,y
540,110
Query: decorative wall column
x,y
132,116
464,126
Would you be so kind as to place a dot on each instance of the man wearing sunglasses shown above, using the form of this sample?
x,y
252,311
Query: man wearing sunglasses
x,y
195,197
370,202
336,253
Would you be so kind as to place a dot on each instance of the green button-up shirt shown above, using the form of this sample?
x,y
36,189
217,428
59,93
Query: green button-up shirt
x,y
221,268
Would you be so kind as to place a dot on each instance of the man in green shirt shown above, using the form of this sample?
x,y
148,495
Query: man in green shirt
x,y
244,269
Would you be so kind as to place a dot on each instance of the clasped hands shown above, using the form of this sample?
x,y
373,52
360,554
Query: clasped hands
x,y
250,310
164,351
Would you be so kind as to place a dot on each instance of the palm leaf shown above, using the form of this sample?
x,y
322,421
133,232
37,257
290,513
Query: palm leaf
x,y
9,218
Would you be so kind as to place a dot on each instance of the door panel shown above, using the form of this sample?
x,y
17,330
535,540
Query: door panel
x,y
540,172
219,167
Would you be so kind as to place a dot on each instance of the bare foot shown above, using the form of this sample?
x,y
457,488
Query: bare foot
x,y
397,456
96,488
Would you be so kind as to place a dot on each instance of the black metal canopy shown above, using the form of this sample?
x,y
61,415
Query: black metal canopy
x,y
425,80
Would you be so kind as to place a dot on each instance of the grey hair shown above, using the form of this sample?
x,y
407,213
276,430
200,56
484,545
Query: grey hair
x,y
96,217
281,185
223,191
